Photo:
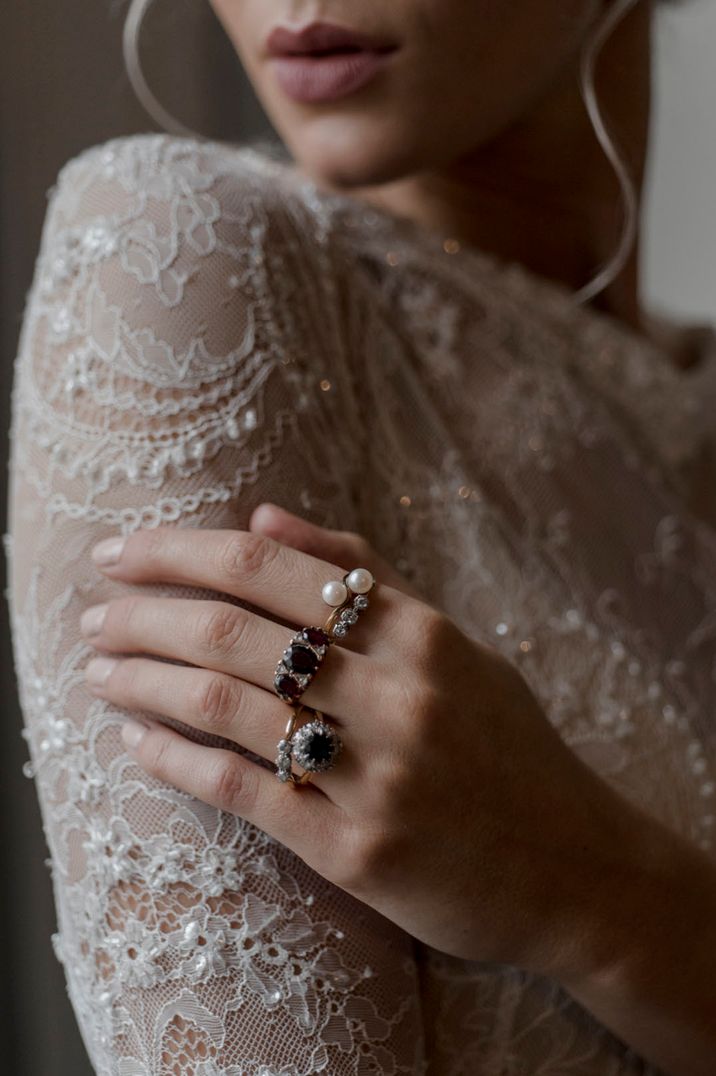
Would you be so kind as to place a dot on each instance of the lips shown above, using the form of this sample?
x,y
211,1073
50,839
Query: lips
x,y
322,37
322,62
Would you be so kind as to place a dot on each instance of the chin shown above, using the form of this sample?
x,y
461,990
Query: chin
x,y
341,152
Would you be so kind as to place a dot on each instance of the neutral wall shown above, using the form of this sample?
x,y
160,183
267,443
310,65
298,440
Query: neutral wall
x,y
46,116
680,212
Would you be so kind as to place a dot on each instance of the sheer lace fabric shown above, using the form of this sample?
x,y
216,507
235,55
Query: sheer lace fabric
x,y
205,330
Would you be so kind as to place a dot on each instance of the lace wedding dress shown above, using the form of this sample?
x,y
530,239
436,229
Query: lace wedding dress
x,y
207,330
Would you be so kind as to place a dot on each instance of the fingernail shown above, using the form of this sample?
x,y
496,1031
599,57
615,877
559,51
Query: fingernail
x,y
92,619
262,515
108,551
98,670
132,732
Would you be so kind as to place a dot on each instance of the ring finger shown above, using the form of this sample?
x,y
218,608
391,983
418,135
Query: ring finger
x,y
214,702
226,638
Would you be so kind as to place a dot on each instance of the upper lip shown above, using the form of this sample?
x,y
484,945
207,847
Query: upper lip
x,y
320,37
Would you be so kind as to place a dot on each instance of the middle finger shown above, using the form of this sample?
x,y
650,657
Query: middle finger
x,y
229,639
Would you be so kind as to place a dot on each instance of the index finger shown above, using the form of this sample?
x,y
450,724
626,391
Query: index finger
x,y
263,571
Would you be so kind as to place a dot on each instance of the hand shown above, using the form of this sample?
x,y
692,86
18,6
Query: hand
x,y
454,809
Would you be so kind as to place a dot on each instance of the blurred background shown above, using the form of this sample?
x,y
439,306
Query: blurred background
x,y
62,88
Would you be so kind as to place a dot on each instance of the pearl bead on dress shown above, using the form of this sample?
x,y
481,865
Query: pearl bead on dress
x,y
360,580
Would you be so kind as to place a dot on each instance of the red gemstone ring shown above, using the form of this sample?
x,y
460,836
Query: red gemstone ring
x,y
301,659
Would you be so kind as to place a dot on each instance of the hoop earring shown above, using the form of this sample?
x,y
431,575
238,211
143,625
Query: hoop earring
x,y
588,61
132,62
590,54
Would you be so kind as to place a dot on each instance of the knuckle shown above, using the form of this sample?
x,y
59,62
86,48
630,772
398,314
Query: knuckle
x,y
223,628
245,555
216,702
433,636
414,703
123,614
356,543
367,855
126,676
157,759
231,786
432,625
153,548
427,710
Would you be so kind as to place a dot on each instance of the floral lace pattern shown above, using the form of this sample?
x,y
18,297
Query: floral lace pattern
x,y
207,330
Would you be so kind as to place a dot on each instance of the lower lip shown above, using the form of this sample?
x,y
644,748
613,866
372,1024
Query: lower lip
x,y
326,78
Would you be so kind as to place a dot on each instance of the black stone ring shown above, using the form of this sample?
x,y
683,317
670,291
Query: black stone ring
x,y
301,659
315,746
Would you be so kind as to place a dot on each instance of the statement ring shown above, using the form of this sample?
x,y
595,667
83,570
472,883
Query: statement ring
x,y
315,746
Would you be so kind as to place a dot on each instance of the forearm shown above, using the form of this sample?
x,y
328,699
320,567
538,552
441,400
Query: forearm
x,y
650,972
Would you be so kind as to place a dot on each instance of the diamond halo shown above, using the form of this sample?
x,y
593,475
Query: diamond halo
x,y
316,746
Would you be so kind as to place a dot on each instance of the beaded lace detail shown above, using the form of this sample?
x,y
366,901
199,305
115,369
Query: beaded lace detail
x,y
207,330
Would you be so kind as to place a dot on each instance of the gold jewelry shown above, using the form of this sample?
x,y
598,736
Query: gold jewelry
x,y
315,744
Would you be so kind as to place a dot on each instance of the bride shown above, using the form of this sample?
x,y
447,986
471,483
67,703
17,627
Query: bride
x,y
363,565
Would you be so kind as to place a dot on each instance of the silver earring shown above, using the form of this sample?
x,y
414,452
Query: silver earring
x,y
130,47
590,54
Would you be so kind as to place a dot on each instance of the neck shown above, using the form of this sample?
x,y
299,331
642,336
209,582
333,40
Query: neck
x,y
543,193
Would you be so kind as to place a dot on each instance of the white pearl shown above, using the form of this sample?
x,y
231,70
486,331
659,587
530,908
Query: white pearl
x,y
360,580
334,593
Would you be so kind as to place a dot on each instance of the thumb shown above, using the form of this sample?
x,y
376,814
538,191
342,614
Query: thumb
x,y
345,548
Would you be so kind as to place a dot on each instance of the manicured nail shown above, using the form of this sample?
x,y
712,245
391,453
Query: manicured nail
x,y
108,551
92,619
132,732
98,670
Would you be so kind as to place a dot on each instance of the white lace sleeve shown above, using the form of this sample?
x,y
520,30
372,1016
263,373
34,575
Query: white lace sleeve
x,y
180,361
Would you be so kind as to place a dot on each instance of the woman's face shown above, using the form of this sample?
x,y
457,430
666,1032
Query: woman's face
x,y
440,79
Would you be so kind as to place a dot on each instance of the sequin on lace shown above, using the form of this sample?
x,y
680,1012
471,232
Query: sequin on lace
x,y
205,331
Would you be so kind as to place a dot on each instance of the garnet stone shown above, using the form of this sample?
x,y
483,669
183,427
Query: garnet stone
x,y
316,636
301,660
287,686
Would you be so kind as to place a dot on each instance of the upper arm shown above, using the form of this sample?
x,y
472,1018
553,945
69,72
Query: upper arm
x,y
169,371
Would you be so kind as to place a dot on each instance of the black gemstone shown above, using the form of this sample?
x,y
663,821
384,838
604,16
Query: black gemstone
x,y
286,685
319,748
301,660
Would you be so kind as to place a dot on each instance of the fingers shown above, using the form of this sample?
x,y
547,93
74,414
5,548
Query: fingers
x,y
213,702
226,638
338,547
304,819
260,570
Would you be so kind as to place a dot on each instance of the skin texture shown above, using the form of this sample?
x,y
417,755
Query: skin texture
x,y
400,689
509,161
